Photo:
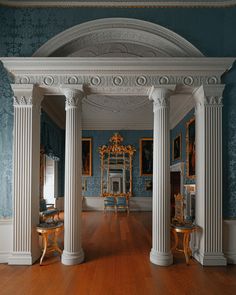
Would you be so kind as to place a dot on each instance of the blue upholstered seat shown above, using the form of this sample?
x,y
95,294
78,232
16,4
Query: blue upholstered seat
x,y
122,203
47,210
109,202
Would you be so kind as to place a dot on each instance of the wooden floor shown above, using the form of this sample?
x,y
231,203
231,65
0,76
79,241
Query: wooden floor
x,y
117,262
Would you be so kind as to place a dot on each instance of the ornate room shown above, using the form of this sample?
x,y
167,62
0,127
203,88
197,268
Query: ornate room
x,y
117,147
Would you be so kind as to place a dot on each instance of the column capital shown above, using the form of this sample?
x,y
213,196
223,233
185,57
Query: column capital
x,y
73,96
26,95
160,96
205,96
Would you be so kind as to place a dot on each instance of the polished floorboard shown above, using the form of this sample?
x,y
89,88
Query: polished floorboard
x,y
117,251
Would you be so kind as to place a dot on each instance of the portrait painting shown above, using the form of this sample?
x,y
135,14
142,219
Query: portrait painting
x,y
146,156
176,148
87,156
191,156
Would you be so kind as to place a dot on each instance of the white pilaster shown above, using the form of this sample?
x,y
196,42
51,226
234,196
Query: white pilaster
x,y
26,149
73,252
160,253
208,111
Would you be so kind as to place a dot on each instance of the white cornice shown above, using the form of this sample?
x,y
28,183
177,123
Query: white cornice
x,y
114,3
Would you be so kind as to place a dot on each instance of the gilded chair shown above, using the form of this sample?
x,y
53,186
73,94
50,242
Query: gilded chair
x,y
47,211
122,202
109,202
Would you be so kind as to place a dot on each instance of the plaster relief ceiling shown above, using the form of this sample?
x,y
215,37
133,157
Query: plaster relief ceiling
x,y
101,112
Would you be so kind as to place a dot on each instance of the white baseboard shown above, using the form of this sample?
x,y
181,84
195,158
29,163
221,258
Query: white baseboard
x,y
136,204
229,240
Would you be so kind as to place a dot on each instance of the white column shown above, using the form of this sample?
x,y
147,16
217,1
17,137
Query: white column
x,y
160,252
26,159
208,111
73,252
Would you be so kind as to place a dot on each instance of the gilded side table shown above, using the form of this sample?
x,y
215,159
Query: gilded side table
x,y
45,230
186,230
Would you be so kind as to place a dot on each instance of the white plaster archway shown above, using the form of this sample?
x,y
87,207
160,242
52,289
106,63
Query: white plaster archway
x,y
118,37
122,76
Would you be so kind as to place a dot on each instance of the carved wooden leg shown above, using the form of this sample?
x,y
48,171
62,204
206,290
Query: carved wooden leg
x,y
186,247
45,245
176,240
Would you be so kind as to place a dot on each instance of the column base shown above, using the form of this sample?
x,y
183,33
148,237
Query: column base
x,y
160,258
73,258
211,259
20,258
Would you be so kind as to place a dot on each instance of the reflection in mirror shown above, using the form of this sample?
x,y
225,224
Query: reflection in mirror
x,y
116,168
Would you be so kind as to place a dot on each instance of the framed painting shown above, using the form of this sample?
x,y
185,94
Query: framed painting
x,y
146,156
176,148
87,156
190,146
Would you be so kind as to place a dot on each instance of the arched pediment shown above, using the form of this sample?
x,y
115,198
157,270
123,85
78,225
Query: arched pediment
x,y
118,37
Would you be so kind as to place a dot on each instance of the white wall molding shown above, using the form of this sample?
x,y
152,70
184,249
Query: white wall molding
x,y
119,3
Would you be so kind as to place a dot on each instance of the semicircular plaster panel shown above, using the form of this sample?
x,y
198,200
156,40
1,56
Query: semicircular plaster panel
x,y
118,37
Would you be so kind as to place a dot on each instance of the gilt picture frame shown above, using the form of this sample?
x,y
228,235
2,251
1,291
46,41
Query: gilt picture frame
x,y
87,156
177,147
146,156
190,148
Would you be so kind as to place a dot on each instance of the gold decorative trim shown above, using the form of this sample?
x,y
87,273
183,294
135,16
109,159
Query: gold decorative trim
x,y
120,4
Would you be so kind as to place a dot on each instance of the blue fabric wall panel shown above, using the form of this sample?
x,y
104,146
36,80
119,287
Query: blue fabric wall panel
x,y
23,31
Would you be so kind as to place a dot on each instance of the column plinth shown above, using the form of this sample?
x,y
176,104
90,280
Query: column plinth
x,y
73,252
160,253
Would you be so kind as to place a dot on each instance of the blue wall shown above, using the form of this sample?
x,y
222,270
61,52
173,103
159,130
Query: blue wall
x,y
23,31
180,128
100,138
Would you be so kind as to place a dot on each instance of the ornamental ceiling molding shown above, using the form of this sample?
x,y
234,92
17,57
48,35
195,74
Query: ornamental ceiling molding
x,y
118,3
122,36
112,76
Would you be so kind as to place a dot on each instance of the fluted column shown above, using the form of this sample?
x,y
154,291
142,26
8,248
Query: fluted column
x,y
160,252
26,157
208,111
73,252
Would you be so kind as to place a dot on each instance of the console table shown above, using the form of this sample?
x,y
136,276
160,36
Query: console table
x,y
186,230
46,229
